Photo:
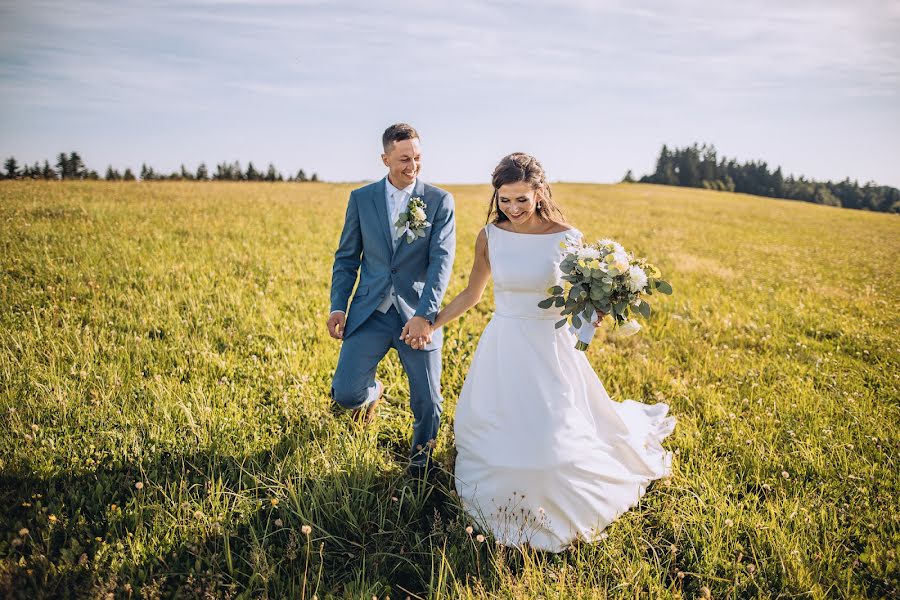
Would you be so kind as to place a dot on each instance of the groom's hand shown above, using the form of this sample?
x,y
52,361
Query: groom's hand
x,y
416,333
336,325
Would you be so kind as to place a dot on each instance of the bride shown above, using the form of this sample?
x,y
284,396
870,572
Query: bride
x,y
544,456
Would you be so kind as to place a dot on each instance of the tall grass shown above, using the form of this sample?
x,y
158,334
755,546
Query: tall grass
x,y
165,426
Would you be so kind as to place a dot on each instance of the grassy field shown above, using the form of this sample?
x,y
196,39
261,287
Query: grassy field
x,y
165,426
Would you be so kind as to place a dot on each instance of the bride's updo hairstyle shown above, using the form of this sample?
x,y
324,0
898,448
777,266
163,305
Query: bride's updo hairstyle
x,y
518,167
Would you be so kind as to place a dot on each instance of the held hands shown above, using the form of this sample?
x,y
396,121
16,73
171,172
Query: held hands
x,y
417,333
599,320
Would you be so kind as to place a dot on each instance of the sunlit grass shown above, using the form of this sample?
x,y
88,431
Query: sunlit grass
x,y
170,337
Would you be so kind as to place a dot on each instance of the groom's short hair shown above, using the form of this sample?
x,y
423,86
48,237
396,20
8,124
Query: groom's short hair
x,y
397,133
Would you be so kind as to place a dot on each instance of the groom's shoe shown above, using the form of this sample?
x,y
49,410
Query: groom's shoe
x,y
366,414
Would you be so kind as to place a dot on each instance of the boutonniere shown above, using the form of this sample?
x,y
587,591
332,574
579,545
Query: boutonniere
x,y
412,223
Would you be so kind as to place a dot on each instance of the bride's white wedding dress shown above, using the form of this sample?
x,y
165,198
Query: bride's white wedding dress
x,y
544,456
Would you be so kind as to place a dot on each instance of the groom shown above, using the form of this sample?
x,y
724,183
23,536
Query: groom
x,y
401,285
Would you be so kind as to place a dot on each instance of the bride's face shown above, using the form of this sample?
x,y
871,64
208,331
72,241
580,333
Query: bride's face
x,y
517,201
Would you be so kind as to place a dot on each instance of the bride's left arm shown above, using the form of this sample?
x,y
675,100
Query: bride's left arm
x,y
478,279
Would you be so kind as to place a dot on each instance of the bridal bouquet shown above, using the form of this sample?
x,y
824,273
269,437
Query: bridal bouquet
x,y
603,277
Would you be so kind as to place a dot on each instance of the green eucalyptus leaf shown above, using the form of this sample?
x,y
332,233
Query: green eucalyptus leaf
x,y
546,303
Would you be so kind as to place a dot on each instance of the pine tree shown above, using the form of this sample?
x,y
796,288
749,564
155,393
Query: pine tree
x,y
629,177
301,175
202,174
128,176
76,166
47,172
12,167
62,165
314,178
271,173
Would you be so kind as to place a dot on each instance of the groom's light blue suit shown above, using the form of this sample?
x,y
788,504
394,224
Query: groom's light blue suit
x,y
419,273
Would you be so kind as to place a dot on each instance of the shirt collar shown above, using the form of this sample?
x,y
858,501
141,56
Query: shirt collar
x,y
391,189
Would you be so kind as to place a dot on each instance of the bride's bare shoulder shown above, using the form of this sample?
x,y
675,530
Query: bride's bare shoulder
x,y
557,227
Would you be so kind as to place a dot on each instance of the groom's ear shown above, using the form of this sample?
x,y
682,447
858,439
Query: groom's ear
x,y
384,159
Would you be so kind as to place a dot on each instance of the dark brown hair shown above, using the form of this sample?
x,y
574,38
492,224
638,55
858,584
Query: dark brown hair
x,y
397,133
517,167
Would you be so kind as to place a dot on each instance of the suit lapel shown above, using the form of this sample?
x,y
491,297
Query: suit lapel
x,y
378,198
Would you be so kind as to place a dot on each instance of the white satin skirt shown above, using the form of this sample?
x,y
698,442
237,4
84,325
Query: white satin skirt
x,y
544,456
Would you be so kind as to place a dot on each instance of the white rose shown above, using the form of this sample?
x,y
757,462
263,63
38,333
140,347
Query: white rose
x,y
637,278
418,214
628,328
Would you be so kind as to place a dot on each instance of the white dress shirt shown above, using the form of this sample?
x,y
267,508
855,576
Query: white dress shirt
x,y
397,202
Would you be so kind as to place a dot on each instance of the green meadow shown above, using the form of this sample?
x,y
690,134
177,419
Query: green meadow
x,y
166,430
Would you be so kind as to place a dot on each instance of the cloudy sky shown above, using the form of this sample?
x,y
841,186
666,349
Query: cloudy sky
x,y
592,88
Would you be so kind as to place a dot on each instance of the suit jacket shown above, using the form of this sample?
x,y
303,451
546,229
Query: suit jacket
x,y
419,271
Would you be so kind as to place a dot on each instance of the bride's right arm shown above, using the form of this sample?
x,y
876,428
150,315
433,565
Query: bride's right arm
x,y
478,278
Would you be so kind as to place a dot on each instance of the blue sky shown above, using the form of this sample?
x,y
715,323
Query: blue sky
x,y
592,88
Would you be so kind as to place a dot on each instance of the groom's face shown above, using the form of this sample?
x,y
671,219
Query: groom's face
x,y
403,159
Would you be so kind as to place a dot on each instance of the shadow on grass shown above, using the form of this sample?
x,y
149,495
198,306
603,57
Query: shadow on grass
x,y
372,529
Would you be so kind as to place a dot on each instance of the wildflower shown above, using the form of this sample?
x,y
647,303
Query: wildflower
x,y
278,522
479,538
139,485
274,501
198,514
23,532
35,427
785,474
52,518
728,522
469,530
680,574
306,530
394,499
751,568
705,593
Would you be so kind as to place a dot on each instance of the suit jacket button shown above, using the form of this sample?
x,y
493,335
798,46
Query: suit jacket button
x,y
393,270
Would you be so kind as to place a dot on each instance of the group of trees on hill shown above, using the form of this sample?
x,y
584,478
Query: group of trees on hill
x,y
71,166
699,167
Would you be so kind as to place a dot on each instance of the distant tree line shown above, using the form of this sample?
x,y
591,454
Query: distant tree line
x,y
71,166
699,167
